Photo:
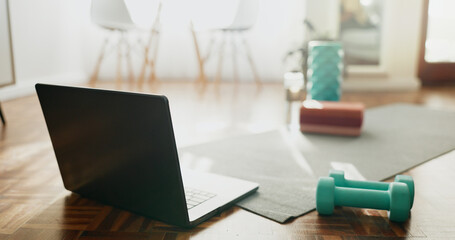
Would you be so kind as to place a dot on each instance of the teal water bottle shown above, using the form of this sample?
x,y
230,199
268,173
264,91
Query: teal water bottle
x,y
325,70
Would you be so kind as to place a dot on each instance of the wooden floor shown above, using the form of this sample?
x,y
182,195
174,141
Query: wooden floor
x,y
35,205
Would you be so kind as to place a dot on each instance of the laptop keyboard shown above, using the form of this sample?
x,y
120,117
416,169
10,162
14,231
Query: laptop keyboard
x,y
195,197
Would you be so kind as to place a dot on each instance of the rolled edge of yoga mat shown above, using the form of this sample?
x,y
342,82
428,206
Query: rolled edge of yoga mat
x,y
337,118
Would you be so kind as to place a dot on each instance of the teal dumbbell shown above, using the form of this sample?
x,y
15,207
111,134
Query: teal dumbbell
x,y
395,199
340,181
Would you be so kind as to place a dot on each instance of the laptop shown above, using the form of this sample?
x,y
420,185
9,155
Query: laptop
x,y
119,148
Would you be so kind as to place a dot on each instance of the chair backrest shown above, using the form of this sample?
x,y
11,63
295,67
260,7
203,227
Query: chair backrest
x,y
111,14
246,15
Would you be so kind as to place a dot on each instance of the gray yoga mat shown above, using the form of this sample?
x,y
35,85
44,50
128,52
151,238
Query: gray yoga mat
x,y
287,164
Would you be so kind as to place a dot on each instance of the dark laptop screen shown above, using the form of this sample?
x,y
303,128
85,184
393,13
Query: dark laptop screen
x,y
115,147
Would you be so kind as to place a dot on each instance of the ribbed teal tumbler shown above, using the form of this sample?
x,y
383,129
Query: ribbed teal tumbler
x,y
325,70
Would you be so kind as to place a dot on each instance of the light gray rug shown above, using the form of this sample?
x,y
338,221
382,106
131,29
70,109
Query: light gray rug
x,y
288,164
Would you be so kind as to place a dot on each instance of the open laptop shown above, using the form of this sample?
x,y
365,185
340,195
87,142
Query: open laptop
x,y
119,148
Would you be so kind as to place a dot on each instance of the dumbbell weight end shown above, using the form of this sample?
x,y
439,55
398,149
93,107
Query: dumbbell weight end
x,y
400,205
325,196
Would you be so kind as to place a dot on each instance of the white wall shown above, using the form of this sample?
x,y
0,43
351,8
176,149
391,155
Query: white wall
x,y
54,41
279,28
6,73
46,45
45,38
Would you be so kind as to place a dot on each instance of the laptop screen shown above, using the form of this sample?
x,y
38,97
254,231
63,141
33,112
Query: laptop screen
x,y
116,147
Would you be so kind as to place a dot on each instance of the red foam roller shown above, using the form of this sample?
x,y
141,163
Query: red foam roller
x,y
339,118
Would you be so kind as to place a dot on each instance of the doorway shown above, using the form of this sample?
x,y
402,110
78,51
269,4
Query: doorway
x,y
437,46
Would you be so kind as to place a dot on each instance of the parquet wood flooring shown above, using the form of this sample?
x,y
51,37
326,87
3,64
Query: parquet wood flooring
x,y
35,205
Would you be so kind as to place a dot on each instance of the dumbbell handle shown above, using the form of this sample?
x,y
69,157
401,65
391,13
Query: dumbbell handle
x,y
365,184
340,181
362,198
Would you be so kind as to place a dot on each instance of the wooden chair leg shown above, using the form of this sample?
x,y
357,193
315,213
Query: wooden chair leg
x,y
140,80
234,58
2,116
152,77
129,63
220,59
118,79
250,60
96,71
146,58
153,34
202,77
209,48
151,47
152,63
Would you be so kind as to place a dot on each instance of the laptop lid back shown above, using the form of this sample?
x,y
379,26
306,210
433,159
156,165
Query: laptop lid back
x,y
116,147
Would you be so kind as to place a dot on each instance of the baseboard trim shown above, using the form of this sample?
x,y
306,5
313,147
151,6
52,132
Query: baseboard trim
x,y
381,85
26,87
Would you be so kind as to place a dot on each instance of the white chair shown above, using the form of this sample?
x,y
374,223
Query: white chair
x,y
113,16
244,20
246,16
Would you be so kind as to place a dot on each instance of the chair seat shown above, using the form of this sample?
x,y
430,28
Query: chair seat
x,y
235,29
117,26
